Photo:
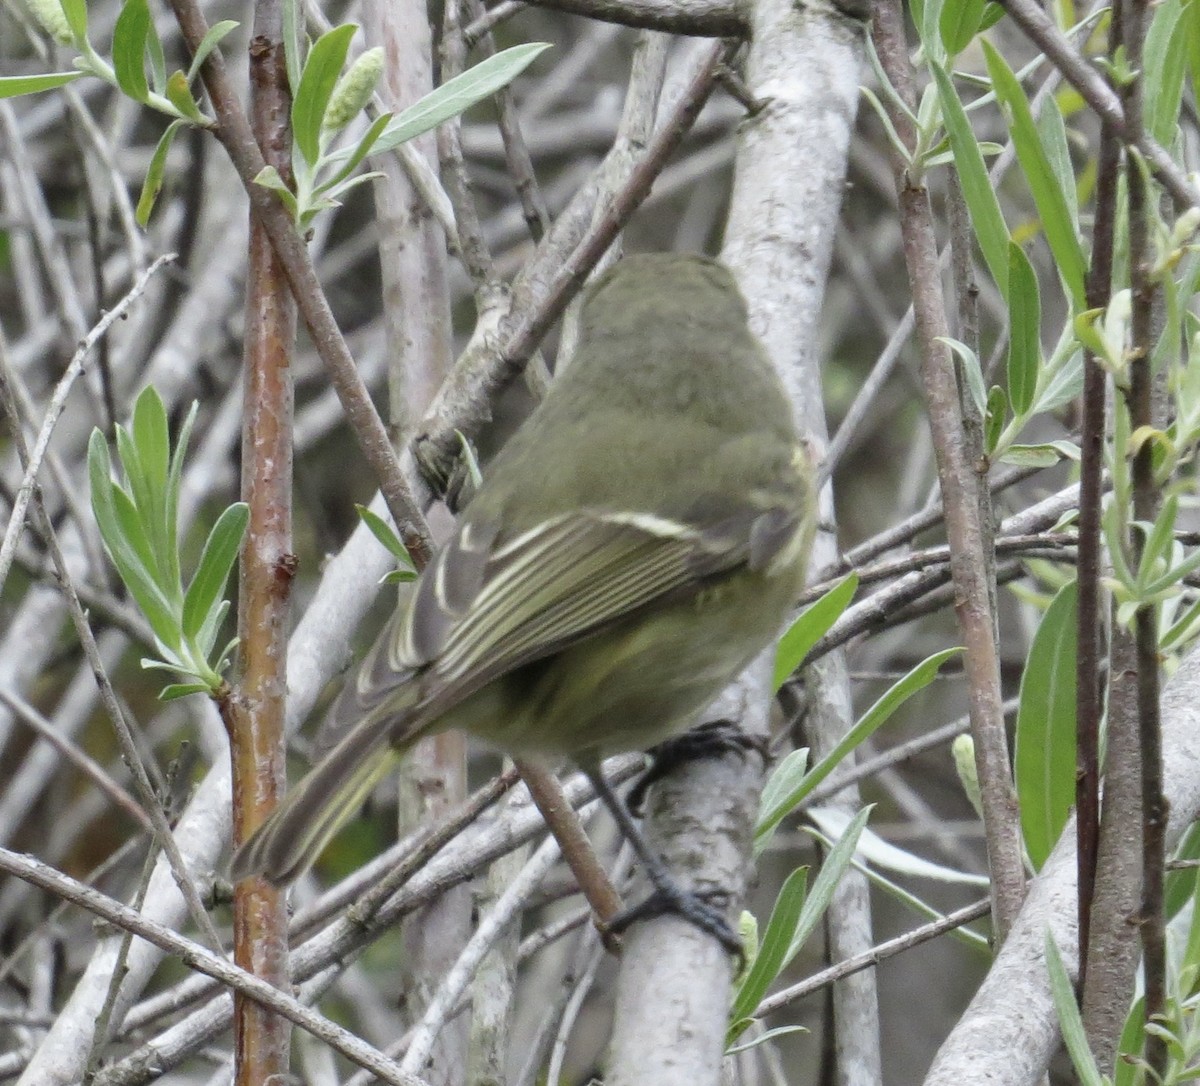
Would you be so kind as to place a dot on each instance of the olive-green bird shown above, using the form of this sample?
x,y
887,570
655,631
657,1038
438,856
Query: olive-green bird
x,y
634,545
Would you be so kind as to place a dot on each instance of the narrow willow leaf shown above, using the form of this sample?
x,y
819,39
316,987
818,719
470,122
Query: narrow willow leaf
x,y
880,853
986,218
363,148
76,13
207,637
129,49
1045,455
1025,323
1126,1070
269,178
386,535
1044,761
773,949
153,442
320,76
180,96
971,370
1047,195
174,691
220,552
174,484
1053,132
1157,547
12,86
959,23
207,44
813,624
133,532
994,417
158,63
837,860
1069,1019
152,186
917,679
992,14
459,94
1164,65
1181,885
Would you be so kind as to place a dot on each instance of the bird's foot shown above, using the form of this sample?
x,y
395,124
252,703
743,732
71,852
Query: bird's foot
x,y
712,740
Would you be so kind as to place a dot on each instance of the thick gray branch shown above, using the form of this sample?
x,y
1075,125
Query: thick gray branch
x,y
1010,1030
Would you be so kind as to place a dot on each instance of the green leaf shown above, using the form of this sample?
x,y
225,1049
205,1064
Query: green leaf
x,y
1047,195
207,637
129,49
986,217
207,44
158,63
1157,547
1025,323
174,483
123,552
1064,383
76,13
361,150
813,624
220,552
269,178
1164,64
992,14
1183,884
153,442
917,679
1045,455
320,76
386,535
11,86
1133,1041
1053,133
765,1037
972,372
459,94
959,23
180,96
1044,762
773,950
1069,1019
174,691
836,861
292,44
152,186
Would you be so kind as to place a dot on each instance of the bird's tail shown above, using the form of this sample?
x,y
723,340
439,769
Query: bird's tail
x,y
288,842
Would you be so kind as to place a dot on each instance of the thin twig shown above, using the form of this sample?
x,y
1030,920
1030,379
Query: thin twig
x,y
82,761
235,134
196,957
872,957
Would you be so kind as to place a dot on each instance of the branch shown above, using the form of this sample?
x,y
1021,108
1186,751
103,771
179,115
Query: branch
x,y
194,956
699,18
1010,1030
233,130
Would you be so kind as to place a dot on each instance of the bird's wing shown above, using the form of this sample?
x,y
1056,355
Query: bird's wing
x,y
486,606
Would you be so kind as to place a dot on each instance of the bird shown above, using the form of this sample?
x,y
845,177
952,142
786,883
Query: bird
x,y
636,543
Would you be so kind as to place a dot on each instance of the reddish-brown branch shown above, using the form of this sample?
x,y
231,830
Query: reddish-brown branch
x,y
256,711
